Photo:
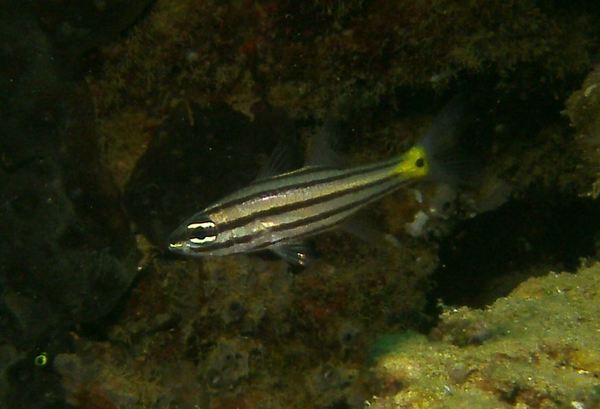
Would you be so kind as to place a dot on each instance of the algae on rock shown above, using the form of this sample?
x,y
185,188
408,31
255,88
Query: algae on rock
x,y
536,348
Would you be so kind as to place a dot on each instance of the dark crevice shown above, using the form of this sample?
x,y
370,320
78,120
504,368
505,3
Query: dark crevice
x,y
487,256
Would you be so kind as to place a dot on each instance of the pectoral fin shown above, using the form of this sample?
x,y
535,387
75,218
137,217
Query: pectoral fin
x,y
321,147
278,162
296,253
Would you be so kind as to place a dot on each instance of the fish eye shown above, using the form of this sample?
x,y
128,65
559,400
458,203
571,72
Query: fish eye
x,y
203,232
420,162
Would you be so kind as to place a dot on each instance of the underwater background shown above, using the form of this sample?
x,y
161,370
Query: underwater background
x,y
119,119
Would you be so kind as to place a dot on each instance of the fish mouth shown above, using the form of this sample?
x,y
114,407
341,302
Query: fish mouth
x,y
178,245
176,240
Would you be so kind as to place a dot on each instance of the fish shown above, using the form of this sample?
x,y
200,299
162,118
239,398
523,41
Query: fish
x,y
279,212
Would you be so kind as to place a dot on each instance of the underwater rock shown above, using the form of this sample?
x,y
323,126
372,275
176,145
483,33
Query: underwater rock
x,y
227,364
9,356
68,255
583,109
536,348
331,385
86,385
76,26
348,335
301,55
105,375
70,252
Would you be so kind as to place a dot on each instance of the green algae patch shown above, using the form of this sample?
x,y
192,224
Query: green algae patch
x,y
536,348
388,343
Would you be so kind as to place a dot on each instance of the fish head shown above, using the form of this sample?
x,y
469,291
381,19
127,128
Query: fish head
x,y
195,237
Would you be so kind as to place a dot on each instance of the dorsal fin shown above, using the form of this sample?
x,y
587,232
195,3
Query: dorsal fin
x,y
280,161
321,151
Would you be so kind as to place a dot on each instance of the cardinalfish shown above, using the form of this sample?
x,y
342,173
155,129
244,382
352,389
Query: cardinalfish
x,y
279,211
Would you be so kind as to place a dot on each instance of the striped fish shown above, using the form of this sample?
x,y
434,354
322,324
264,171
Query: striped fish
x,y
277,213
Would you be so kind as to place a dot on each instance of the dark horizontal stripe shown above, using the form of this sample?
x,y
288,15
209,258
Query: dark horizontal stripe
x,y
321,229
299,185
233,224
313,219
318,217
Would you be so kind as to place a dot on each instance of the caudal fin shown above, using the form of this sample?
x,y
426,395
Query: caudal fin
x,y
442,144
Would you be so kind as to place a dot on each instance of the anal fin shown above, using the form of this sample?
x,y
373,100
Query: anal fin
x,y
364,230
